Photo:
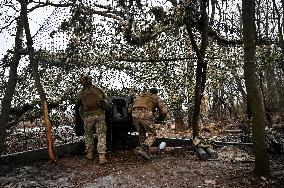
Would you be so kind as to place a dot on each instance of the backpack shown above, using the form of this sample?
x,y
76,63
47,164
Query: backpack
x,y
92,99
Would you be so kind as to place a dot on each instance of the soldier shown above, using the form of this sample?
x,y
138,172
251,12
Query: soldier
x,y
92,101
143,109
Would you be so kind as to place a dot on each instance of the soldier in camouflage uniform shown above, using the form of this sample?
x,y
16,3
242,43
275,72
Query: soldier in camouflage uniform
x,y
143,109
92,101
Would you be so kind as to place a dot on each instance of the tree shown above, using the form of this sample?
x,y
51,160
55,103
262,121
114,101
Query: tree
x,y
41,92
10,89
22,23
150,44
201,70
253,92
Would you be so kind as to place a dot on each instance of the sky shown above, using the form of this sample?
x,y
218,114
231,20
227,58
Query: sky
x,y
36,19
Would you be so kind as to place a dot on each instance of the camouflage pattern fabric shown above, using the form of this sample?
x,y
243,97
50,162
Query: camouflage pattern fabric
x,y
151,102
143,122
91,99
103,99
97,122
143,110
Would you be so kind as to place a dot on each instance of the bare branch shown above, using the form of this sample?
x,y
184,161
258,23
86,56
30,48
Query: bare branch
x,y
160,60
8,25
44,4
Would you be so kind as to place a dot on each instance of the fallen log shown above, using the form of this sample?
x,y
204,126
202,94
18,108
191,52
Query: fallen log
x,y
212,153
201,153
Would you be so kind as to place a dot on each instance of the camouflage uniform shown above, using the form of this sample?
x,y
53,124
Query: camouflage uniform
x,y
93,118
143,110
97,122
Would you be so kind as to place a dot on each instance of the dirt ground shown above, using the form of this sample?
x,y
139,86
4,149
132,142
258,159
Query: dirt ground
x,y
172,167
180,168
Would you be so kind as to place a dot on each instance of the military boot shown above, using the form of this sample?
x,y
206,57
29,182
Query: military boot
x,y
102,158
144,152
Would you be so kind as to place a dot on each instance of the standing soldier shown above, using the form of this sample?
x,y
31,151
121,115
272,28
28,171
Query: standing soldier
x,y
92,101
143,109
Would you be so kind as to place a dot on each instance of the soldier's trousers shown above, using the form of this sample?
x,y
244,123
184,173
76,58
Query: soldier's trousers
x,y
97,122
143,122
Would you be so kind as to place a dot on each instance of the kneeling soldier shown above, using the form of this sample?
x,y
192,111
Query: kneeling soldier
x,y
143,109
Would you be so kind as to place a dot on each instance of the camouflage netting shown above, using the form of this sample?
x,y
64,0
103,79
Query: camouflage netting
x,y
130,46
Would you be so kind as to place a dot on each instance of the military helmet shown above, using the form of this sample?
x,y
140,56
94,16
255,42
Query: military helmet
x,y
85,80
154,90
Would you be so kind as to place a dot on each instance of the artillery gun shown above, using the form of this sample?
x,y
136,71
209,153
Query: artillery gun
x,y
119,123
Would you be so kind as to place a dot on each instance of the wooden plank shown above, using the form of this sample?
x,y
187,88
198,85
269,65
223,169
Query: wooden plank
x,y
173,142
232,143
233,131
41,154
133,142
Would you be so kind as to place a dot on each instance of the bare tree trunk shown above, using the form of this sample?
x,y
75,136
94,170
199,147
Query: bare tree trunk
x,y
178,115
280,31
266,106
215,110
280,26
34,65
10,89
226,105
253,92
244,95
201,69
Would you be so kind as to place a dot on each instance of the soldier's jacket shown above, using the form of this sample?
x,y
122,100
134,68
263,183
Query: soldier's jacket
x,y
92,101
150,102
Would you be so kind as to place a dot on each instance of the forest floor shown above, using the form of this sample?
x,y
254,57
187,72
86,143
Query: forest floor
x,y
171,167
